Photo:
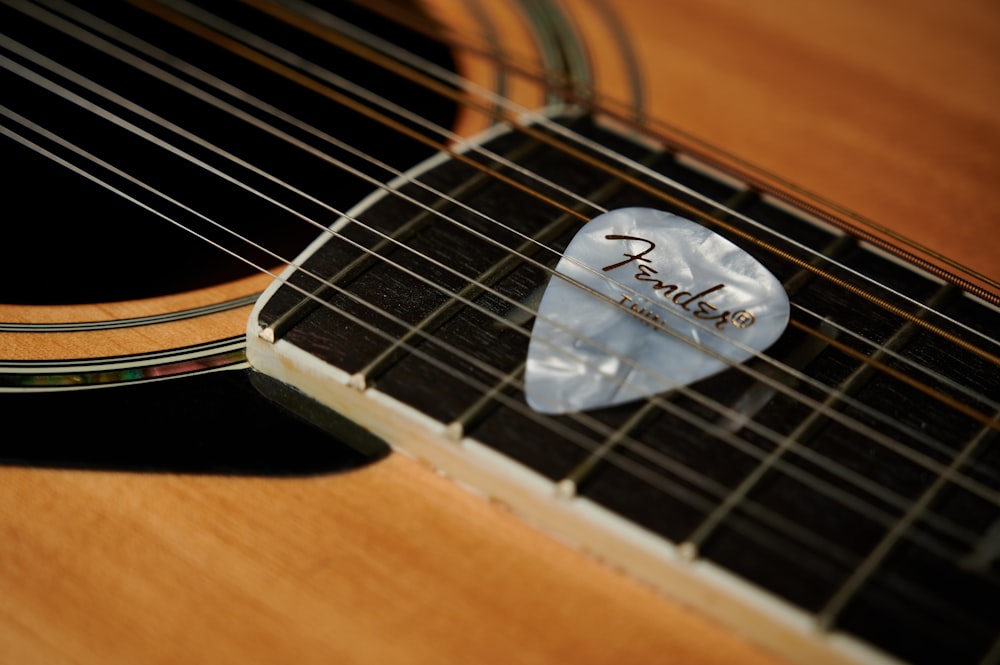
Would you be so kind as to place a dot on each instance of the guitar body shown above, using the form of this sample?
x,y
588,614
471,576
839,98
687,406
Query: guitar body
x,y
888,111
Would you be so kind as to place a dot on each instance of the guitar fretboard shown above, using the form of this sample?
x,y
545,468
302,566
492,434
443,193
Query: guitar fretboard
x,y
849,470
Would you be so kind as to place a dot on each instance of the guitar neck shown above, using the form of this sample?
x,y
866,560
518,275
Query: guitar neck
x,y
833,473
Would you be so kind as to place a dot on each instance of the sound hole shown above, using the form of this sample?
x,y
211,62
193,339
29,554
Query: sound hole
x,y
70,240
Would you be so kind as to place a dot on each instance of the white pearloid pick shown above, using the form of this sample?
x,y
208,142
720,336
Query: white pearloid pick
x,y
641,270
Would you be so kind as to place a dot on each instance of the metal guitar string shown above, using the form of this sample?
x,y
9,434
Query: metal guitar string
x,y
453,137
438,72
584,93
232,30
585,443
902,313
376,331
667,383
288,69
904,451
472,304
748,528
934,394
864,408
263,45
159,73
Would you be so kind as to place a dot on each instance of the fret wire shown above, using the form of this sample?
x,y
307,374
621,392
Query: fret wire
x,y
530,413
754,352
642,417
802,263
694,146
274,66
758,396
906,589
710,406
776,521
514,121
792,471
485,404
826,617
321,228
690,547
447,198
837,246
758,511
852,383
389,65
839,329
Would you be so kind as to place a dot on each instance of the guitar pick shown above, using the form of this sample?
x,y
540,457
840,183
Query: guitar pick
x,y
598,339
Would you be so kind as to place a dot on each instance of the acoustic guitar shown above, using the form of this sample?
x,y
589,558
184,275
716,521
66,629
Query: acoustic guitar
x,y
274,273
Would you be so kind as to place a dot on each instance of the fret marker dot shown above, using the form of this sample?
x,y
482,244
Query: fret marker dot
x,y
644,302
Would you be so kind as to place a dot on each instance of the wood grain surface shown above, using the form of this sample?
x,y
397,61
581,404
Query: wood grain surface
x,y
889,108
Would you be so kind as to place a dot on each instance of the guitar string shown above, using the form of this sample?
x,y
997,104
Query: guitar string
x,y
681,493
274,65
208,19
513,120
163,57
583,93
235,32
774,522
933,393
361,247
914,383
930,441
742,525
